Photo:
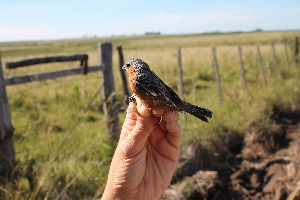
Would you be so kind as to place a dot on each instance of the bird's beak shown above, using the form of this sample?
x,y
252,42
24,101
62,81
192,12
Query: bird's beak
x,y
124,67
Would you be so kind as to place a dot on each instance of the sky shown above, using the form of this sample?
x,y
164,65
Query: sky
x,y
30,20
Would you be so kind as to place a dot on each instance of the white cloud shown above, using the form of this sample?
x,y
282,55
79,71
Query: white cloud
x,y
26,7
162,18
220,16
151,22
19,33
38,6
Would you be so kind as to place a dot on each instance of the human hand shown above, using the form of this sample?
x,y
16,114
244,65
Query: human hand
x,y
146,156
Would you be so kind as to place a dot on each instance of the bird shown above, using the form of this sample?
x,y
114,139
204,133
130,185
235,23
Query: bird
x,y
154,93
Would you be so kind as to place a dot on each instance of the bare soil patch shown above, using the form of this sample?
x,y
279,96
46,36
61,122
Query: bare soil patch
x,y
263,165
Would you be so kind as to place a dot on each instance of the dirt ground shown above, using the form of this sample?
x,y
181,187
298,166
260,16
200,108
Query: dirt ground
x,y
262,165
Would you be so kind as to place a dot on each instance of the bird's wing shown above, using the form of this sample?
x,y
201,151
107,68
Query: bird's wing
x,y
152,85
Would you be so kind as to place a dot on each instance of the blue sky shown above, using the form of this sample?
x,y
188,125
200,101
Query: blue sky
x,y
23,20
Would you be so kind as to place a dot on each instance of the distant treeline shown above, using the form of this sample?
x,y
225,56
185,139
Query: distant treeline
x,y
152,33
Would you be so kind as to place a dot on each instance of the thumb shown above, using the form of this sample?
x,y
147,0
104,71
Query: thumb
x,y
142,109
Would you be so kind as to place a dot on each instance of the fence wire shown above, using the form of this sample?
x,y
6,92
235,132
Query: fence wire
x,y
71,129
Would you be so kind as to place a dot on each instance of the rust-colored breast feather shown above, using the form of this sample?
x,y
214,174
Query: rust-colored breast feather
x,y
147,100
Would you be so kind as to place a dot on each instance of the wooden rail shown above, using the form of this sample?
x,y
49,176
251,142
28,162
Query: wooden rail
x,y
35,61
50,75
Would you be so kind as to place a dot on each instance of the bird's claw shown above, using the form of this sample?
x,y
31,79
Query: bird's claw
x,y
131,99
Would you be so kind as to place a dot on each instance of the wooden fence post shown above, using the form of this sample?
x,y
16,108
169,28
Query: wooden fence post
x,y
217,74
110,106
123,75
296,51
286,53
263,80
242,68
276,61
180,79
7,152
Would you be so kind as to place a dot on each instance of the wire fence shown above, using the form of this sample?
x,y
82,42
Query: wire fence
x,y
76,122
72,122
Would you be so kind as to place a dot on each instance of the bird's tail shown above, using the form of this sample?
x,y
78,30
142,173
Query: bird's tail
x,y
199,112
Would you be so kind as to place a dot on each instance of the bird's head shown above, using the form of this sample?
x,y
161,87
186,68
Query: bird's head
x,y
137,64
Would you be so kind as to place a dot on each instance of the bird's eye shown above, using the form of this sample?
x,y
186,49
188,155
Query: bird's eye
x,y
128,65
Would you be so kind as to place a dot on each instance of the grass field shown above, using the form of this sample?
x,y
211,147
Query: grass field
x,y
56,161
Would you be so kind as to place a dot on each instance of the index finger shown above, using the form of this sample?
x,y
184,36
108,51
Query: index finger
x,y
142,109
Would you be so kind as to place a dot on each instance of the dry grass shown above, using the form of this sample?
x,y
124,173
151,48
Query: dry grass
x,y
43,112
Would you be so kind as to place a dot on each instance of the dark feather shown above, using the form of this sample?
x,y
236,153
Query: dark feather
x,y
156,88
148,82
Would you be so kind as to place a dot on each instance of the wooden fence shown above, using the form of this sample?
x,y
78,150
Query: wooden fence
x,y
110,107
216,68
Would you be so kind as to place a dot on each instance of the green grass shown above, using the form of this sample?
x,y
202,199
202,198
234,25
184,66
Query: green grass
x,y
55,160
